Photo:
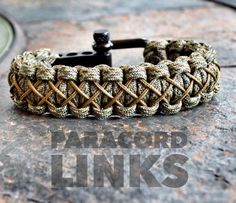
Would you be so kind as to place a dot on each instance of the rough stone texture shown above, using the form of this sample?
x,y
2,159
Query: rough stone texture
x,y
25,144
88,10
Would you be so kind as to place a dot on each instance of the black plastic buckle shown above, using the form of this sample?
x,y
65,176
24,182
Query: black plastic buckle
x,y
101,54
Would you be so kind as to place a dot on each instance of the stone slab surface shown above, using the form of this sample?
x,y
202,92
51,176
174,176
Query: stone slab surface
x,y
25,144
31,11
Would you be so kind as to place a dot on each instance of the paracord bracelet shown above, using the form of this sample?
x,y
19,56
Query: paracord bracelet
x,y
176,75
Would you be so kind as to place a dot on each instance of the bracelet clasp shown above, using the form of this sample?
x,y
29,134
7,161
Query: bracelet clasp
x,y
101,54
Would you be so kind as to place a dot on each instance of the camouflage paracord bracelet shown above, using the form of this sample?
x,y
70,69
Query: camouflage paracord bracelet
x,y
176,75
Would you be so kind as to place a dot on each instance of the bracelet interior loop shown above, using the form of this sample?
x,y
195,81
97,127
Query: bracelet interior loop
x,y
176,75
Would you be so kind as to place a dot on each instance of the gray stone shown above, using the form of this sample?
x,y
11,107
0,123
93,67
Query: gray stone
x,y
25,144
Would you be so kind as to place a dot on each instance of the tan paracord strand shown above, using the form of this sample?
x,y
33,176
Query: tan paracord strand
x,y
186,74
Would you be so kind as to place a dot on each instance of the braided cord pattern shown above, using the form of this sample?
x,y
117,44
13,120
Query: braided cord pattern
x,y
176,75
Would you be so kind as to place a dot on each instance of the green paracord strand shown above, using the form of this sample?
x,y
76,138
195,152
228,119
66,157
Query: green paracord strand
x,y
176,75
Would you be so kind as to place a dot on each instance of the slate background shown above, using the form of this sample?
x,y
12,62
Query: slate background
x,y
25,144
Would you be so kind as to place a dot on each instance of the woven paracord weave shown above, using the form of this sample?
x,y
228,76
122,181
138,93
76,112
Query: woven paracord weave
x,y
176,75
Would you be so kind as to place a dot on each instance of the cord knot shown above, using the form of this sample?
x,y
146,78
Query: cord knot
x,y
44,72
111,74
155,52
134,72
156,71
66,72
180,65
45,56
197,61
89,74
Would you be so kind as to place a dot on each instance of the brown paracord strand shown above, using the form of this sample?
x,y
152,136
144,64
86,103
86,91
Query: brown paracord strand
x,y
176,75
